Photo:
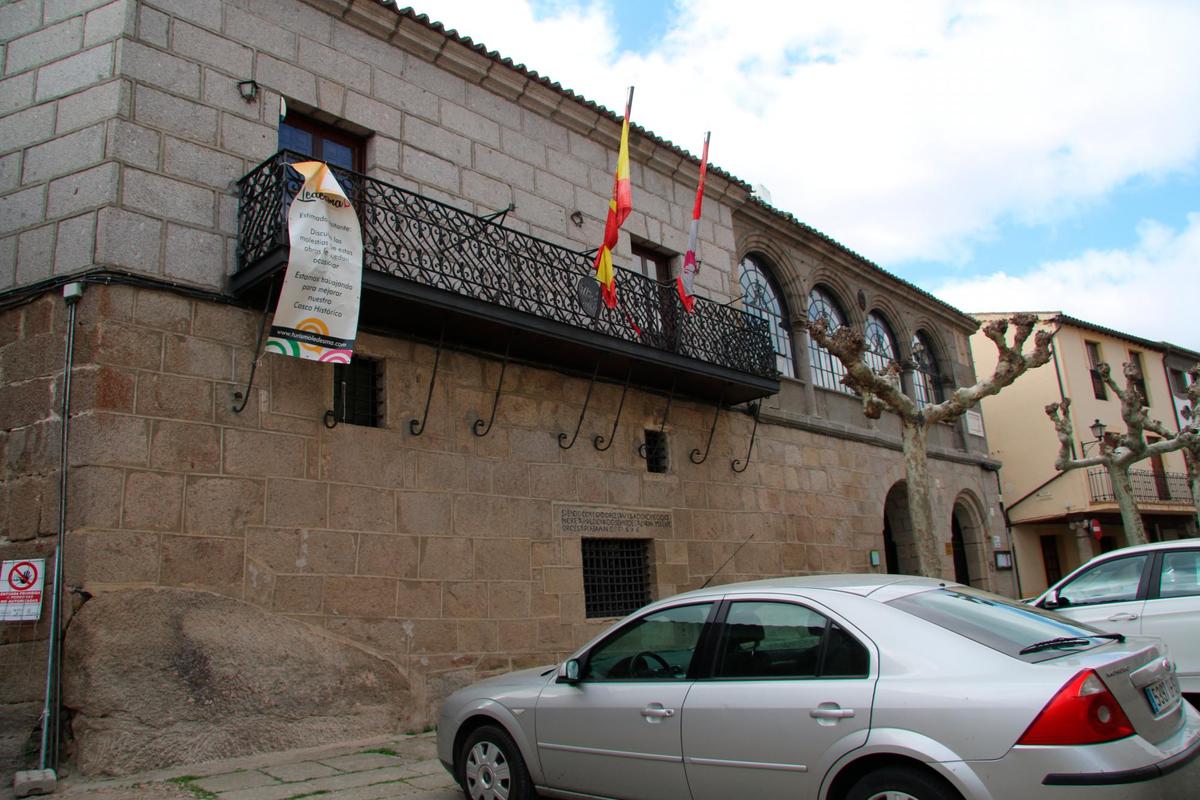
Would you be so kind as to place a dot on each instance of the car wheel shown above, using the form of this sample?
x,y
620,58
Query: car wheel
x,y
490,767
900,783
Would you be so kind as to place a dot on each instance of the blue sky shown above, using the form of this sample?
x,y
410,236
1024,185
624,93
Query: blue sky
x,y
1002,154
1109,222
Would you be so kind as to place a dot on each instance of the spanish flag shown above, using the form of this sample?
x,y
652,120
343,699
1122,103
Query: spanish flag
x,y
618,210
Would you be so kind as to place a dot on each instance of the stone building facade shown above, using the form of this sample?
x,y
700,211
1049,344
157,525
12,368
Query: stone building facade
x,y
123,137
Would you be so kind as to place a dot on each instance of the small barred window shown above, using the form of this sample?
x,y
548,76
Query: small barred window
x,y
616,576
656,451
358,392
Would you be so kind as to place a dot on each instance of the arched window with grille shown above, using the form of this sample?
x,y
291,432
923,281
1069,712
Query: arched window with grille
x,y
827,370
927,378
761,297
881,344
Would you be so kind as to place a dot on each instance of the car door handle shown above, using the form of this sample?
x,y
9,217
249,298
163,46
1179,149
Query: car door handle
x,y
831,713
657,712
1123,616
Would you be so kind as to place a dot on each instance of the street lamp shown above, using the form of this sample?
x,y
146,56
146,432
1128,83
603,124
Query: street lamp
x,y
1097,429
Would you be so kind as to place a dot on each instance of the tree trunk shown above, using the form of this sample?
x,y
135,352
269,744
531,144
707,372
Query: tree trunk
x,y
1192,460
920,505
1135,531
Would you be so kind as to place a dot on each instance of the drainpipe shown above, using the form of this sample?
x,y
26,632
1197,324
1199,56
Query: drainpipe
x,y
44,779
1062,392
1012,550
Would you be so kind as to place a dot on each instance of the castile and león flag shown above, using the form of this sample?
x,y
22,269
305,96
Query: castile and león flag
x,y
687,277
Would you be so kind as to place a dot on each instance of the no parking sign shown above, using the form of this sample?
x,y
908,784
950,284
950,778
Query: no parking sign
x,y
21,584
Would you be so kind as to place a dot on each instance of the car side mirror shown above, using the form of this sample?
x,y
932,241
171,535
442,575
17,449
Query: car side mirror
x,y
1054,601
569,673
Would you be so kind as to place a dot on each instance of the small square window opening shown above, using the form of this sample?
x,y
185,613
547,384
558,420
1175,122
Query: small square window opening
x,y
358,392
616,576
656,451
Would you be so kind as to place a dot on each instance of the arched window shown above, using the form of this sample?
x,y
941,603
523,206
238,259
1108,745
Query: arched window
x,y
881,344
927,378
827,371
763,300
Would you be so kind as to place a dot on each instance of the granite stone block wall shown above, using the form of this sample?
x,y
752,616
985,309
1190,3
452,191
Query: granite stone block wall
x,y
447,552
122,137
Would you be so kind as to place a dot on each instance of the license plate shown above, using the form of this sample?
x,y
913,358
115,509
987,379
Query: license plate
x,y
1163,694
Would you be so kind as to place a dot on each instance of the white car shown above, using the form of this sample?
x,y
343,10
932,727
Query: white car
x,y
1146,590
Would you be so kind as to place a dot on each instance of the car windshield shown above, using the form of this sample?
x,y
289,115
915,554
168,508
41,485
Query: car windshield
x,y
1018,630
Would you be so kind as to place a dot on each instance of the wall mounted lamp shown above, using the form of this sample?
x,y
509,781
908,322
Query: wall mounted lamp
x,y
1097,429
577,218
248,90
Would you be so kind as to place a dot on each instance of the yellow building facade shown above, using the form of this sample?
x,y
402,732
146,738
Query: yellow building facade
x,y
1059,520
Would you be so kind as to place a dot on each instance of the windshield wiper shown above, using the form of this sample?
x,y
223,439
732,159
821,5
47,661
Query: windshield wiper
x,y
1068,641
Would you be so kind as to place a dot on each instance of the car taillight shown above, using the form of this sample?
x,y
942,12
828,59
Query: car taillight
x,y
1083,712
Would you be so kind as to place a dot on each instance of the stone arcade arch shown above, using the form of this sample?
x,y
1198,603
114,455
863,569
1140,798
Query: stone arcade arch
x,y
899,547
968,539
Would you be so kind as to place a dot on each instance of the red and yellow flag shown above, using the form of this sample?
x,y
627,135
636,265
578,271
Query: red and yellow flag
x,y
618,210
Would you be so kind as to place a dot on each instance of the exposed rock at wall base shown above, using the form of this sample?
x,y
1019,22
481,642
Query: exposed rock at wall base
x,y
20,728
160,677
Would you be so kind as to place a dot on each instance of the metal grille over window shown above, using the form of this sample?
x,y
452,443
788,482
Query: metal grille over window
x,y
656,451
827,371
616,576
762,300
358,392
927,378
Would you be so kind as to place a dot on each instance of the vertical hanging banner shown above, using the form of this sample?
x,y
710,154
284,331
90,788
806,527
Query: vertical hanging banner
x,y
317,314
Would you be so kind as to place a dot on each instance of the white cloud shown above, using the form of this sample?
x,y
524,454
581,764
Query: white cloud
x,y
905,130
1149,290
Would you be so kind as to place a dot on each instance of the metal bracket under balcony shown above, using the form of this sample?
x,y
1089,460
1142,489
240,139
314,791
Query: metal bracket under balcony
x,y
426,264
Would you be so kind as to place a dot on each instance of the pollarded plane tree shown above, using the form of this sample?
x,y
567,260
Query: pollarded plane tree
x,y
1120,451
1191,451
880,391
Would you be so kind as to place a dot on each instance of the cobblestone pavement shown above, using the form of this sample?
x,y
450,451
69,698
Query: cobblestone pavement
x,y
371,769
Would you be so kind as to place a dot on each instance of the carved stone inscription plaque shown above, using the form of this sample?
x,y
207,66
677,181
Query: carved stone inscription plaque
x,y
632,522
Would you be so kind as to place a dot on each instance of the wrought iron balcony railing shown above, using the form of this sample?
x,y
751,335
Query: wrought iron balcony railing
x,y
417,239
1148,486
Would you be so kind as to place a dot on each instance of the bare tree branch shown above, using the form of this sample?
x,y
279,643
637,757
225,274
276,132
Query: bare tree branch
x,y
881,391
1120,451
1012,363
1066,438
878,391
1191,452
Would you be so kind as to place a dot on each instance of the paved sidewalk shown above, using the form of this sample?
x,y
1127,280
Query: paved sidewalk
x,y
370,769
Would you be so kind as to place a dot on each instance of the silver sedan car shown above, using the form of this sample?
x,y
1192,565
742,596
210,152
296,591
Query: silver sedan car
x,y
849,687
